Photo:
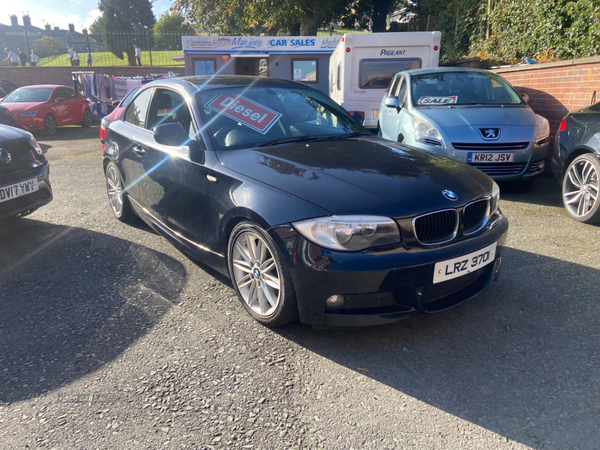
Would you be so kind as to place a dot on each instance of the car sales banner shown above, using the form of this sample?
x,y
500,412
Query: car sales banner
x,y
259,44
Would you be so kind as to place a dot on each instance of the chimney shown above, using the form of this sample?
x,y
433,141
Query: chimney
x,y
27,21
56,28
14,21
48,27
71,28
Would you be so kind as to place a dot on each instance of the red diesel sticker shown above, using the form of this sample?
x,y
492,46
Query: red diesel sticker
x,y
245,111
437,100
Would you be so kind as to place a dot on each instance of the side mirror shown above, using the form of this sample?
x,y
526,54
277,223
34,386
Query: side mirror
x,y
171,134
116,103
59,99
392,102
358,117
525,97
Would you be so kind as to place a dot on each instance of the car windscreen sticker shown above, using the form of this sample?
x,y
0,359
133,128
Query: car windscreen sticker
x,y
246,111
438,100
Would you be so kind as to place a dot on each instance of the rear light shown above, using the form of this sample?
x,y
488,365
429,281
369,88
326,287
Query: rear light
x,y
102,134
435,48
348,49
563,125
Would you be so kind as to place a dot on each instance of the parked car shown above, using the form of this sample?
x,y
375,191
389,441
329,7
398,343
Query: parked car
x,y
276,186
24,174
576,163
469,115
119,107
47,107
6,117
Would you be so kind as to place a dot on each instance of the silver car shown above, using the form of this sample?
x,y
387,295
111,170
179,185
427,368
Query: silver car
x,y
469,115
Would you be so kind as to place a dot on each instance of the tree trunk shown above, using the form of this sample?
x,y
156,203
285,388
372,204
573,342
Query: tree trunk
x,y
379,17
308,24
131,58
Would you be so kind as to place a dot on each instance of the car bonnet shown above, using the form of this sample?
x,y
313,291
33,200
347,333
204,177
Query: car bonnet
x,y
360,175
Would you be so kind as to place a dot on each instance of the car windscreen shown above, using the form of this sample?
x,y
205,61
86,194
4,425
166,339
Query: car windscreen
x,y
377,73
462,88
258,116
29,95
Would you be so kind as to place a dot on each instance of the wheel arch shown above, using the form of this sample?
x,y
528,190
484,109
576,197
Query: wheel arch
x,y
576,153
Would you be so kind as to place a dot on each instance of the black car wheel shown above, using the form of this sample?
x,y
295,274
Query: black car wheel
x,y
580,189
50,125
117,199
87,119
261,280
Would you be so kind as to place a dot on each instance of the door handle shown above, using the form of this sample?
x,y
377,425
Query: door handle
x,y
139,151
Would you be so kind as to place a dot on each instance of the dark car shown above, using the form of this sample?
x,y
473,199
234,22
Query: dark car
x,y
24,172
311,216
6,117
576,163
7,86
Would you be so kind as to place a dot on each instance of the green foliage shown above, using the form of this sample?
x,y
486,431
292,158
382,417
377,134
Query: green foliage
x,y
47,46
169,28
124,16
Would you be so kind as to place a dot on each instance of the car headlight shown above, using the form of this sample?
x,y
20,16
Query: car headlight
x,y
35,145
542,132
426,133
29,114
495,200
349,233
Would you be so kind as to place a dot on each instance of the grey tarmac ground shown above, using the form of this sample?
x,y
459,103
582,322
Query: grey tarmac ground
x,y
110,338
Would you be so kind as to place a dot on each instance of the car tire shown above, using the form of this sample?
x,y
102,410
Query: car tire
x,y
117,199
401,139
50,124
379,130
87,119
580,186
260,277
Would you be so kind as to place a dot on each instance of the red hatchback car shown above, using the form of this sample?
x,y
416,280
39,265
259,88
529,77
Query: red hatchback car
x,y
47,107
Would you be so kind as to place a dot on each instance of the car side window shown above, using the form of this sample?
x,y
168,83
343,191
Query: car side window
x,y
392,89
137,111
58,93
402,92
169,107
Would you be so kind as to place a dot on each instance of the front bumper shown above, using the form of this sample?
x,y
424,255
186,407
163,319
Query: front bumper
x,y
383,286
528,163
30,123
30,202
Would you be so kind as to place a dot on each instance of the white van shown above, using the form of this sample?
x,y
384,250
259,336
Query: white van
x,y
362,66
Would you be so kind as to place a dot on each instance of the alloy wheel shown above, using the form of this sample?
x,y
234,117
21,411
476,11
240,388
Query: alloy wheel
x,y
115,190
50,124
580,187
256,274
87,118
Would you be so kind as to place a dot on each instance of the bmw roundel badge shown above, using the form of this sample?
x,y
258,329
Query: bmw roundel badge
x,y
450,195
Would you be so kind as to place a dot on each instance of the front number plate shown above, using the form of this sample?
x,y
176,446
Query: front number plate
x,y
490,157
457,267
18,190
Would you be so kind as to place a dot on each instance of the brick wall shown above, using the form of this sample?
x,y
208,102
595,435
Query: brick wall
x,y
23,76
556,88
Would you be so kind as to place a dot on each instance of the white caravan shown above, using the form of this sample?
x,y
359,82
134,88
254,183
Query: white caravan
x,y
362,66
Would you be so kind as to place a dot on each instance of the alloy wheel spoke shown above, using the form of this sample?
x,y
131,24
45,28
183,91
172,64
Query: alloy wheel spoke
x,y
252,246
263,303
243,252
271,281
245,281
262,251
574,197
242,265
574,177
268,295
588,170
252,295
267,265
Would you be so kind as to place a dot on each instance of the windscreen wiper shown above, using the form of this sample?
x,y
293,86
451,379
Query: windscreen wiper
x,y
325,137
287,140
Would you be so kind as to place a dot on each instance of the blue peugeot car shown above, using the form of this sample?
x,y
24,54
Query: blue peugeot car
x,y
469,115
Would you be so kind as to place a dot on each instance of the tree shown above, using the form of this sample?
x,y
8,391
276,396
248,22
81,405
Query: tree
x,y
124,23
169,28
47,46
253,17
369,14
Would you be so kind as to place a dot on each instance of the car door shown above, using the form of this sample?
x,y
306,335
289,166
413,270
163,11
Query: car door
x,y
175,180
58,105
128,140
73,110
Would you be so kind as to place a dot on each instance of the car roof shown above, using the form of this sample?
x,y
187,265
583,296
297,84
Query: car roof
x,y
46,86
444,69
220,81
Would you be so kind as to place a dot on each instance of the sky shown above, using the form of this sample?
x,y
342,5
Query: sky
x,y
61,13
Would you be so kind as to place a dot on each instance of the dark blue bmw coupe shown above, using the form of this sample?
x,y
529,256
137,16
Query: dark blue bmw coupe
x,y
312,217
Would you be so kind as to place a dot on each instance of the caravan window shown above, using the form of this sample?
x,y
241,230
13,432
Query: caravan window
x,y
377,73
